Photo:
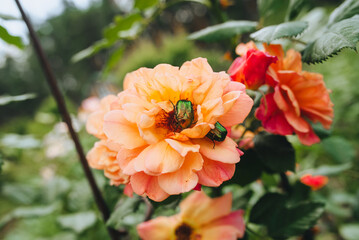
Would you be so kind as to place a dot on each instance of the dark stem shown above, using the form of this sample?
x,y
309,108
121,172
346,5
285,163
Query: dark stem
x,y
149,210
285,183
50,78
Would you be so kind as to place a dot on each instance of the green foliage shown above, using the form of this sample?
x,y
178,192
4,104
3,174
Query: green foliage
x,y
349,231
248,169
272,11
223,31
126,208
144,4
283,220
283,30
347,9
6,99
10,39
78,222
275,152
343,34
339,149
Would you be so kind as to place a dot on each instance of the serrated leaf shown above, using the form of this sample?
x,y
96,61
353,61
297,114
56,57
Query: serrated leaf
x,y
6,99
347,9
284,30
283,220
295,220
275,152
78,222
144,4
223,31
344,34
10,39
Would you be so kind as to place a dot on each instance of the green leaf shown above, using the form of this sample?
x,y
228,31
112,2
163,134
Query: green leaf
x,y
78,222
275,152
6,99
28,212
8,17
1,162
248,169
328,170
93,49
295,220
284,30
223,31
295,8
10,39
267,207
340,149
121,24
114,59
126,207
347,9
349,231
283,220
144,4
343,34
272,11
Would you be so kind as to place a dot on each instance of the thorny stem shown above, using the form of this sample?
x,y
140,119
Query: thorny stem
x,y
50,78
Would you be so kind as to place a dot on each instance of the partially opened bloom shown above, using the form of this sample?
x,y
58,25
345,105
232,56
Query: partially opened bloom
x,y
200,218
159,126
314,182
251,68
295,96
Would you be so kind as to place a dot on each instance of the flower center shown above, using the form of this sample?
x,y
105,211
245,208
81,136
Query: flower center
x,y
181,117
183,232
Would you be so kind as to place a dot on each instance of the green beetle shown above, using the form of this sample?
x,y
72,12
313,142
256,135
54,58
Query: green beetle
x,y
184,114
218,133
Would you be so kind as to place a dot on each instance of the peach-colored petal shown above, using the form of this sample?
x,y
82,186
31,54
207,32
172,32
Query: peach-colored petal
x,y
158,159
128,191
214,173
118,129
198,209
183,147
238,111
125,159
185,179
160,228
144,184
221,232
242,48
94,124
234,219
222,151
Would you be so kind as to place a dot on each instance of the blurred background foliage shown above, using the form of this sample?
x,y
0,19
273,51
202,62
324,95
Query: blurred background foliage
x,y
43,193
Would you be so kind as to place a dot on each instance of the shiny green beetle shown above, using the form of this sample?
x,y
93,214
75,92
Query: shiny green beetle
x,y
218,133
184,114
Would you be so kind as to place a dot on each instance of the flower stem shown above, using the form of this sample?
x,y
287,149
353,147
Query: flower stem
x,y
50,78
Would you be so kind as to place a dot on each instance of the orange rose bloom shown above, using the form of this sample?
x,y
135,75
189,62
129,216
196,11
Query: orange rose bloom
x,y
294,98
200,218
163,153
314,182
